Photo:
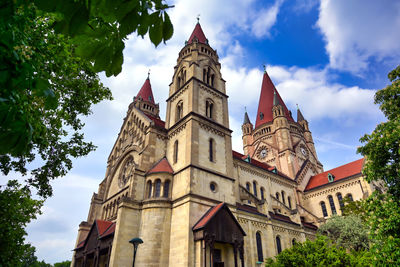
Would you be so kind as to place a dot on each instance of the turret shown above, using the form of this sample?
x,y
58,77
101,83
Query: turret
x,y
307,133
247,130
144,100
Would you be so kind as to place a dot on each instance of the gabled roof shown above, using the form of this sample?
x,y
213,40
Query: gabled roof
x,y
103,229
258,164
161,166
145,92
211,213
266,102
338,173
199,34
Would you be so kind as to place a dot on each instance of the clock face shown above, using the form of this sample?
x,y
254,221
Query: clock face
x,y
263,153
303,151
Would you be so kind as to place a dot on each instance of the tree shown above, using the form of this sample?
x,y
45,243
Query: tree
x,y
45,89
348,232
17,210
62,264
382,146
320,252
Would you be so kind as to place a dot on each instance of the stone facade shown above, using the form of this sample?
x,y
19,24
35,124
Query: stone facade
x,y
165,181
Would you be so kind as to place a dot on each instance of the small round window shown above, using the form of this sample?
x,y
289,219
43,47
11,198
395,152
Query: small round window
x,y
213,187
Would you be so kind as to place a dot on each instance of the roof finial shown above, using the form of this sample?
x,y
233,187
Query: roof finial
x,y
245,109
297,106
265,68
148,74
198,18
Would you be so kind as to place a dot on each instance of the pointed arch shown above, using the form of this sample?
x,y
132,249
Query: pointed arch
x,y
157,188
260,256
176,151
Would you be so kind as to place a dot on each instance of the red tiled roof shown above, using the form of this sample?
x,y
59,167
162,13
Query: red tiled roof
x,y
102,226
199,34
207,216
339,173
258,164
266,102
161,166
158,122
109,231
146,93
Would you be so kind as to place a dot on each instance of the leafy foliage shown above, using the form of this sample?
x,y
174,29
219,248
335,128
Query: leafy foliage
x,y
17,210
44,89
382,146
99,27
348,232
62,264
320,252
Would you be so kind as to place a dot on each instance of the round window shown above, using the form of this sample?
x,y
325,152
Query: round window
x,y
213,187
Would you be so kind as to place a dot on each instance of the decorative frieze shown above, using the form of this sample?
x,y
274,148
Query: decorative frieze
x,y
181,91
211,129
330,190
212,92
177,130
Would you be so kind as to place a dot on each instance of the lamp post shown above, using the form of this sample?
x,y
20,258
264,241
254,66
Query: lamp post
x,y
135,242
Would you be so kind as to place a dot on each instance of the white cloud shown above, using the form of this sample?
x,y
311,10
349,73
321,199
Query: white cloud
x,y
265,19
358,30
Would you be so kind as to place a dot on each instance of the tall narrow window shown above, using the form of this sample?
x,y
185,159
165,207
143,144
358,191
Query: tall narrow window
x,y
350,197
209,109
255,188
212,80
293,241
148,189
166,188
262,193
340,199
179,111
277,195
211,149
283,197
260,256
289,202
176,151
204,75
278,244
332,204
248,189
178,82
323,207
157,189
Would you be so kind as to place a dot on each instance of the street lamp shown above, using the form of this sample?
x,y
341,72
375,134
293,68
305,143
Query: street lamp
x,y
135,242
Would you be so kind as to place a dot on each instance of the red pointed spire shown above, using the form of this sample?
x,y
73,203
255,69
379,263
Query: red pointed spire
x,y
264,113
145,92
199,34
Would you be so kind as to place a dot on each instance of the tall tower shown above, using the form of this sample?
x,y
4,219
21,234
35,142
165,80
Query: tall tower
x,y
247,129
278,139
199,141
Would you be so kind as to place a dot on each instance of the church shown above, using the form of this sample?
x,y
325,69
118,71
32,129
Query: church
x,y
193,201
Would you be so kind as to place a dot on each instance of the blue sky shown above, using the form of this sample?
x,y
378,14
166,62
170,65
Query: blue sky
x,y
329,57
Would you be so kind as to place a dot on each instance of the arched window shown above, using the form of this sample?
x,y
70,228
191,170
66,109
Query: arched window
x,y
209,109
176,151
179,110
166,188
255,188
350,197
332,204
157,189
277,195
260,256
283,197
178,82
262,193
293,241
278,244
248,189
148,189
212,80
289,202
340,199
211,149
323,207
204,75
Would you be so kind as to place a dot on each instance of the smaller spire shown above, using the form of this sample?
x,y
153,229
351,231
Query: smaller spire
x,y
246,117
146,93
300,116
276,99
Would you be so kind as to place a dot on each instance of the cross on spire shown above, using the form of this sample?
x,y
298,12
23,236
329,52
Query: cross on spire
x,y
148,74
198,18
265,68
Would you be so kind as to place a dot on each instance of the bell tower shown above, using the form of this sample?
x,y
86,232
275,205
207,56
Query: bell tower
x,y
197,109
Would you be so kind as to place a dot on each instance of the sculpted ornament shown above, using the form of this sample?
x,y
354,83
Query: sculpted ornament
x,y
126,172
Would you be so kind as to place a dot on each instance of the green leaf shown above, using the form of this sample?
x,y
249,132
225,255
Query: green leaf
x,y
168,29
156,29
129,23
